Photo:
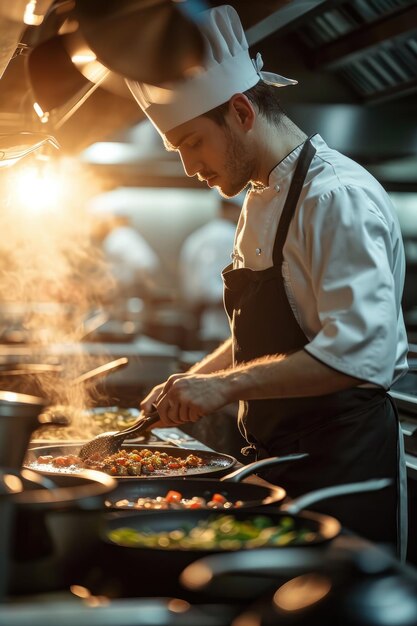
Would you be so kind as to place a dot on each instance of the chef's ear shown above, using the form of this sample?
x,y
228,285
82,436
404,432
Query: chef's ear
x,y
242,110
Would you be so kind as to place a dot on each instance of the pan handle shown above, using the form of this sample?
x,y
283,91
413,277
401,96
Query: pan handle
x,y
264,563
100,371
302,502
32,477
38,479
342,560
256,466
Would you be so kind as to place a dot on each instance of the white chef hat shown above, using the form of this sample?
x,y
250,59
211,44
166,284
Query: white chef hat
x,y
228,69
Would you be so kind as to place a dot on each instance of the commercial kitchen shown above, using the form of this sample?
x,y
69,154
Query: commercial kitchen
x,y
112,248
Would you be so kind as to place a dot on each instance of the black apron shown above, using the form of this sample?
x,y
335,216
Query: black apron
x,y
350,435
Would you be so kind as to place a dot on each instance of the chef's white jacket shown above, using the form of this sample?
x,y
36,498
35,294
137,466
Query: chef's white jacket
x,y
344,263
203,256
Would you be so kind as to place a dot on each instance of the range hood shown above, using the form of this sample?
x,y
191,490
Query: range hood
x,y
372,46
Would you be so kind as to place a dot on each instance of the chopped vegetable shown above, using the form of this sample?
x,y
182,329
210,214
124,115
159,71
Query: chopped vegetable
x,y
217,497
173,496
224,532
125,463
175,500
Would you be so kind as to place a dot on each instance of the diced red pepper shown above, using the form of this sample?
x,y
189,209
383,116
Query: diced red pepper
x,y
173,496
217,497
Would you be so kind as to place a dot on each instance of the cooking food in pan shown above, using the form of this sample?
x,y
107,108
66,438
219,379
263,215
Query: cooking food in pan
x,y
228,492
175,500
125,463
208,462
303,530
223,532
91,422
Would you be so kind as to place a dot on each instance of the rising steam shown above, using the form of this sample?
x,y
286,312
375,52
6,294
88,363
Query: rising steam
x,y
52,279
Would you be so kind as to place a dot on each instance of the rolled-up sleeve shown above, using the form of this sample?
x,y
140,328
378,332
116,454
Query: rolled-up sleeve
x,y
350,257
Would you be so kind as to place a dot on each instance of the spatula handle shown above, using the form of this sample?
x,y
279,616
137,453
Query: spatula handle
x,y
141,425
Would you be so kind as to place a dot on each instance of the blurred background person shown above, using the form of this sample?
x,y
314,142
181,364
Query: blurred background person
x,y
133,264
203,256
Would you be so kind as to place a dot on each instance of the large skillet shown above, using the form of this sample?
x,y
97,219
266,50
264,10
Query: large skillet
x,y
165,566
214,462
229,486
248,574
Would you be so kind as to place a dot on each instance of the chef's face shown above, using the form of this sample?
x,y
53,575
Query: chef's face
x,y
214,153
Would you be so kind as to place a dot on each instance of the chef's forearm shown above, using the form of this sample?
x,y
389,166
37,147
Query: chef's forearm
x,y
220,359
295,376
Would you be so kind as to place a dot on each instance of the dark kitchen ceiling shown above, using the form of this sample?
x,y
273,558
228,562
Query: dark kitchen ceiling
x,y
356,63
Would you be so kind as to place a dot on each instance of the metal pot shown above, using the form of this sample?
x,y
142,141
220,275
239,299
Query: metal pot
x,y
19,417
9,485
55,529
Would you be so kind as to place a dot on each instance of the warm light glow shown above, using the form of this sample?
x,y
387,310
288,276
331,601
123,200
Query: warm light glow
x,y
196,576
86,595
40,113
39,188
13,483
301,592
9,396
79,59
30,18
38,109
110,152
80,592
50,264
178,606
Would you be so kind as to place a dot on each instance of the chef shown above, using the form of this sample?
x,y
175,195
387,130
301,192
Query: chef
x,y
313,294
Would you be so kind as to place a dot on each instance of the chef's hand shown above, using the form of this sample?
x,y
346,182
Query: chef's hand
x,y
148,404
186,398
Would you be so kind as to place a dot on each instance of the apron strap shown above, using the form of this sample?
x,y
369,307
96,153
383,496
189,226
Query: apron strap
x,y
304,160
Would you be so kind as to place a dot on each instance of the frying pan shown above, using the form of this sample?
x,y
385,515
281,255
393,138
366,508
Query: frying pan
x,y
30,377
101,419
214,463
167,565
251,495
246,574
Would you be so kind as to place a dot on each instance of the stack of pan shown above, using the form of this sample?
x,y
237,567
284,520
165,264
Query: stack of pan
x,y
132,571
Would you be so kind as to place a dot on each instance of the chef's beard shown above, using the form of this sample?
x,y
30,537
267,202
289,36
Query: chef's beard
x,y
239,166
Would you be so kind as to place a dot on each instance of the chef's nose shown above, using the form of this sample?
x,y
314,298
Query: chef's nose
x,y
191,165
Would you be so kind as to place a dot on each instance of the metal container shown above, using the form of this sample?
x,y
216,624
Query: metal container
x,y
55,529
19,417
